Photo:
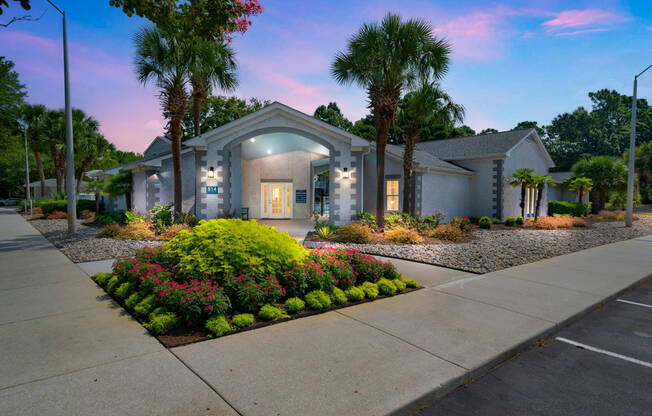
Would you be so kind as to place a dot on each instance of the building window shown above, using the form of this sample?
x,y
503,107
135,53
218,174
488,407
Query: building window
x,y
530,201
392,194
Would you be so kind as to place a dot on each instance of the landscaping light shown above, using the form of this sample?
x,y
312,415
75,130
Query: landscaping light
x,y
211,172
345,173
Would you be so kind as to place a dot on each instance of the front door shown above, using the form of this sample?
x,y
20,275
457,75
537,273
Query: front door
x,y
276,200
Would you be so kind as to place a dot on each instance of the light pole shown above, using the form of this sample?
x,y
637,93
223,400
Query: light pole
x,y
632,149
28,195
70,156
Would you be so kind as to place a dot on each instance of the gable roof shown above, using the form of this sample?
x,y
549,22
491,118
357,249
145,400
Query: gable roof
x,y
425,160
157,140
481,145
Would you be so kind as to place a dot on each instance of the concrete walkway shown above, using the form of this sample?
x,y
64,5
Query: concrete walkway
x,y
68,350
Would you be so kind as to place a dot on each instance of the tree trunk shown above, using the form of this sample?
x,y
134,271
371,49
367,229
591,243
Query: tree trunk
x,y
86,164
59,167
128,200
539,196
408,167
523,191
197,100
175,129
580,192
382,131
41,173
97,203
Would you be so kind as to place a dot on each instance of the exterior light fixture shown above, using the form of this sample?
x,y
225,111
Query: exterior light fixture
x,y
269,151
252,140
211,172
345,173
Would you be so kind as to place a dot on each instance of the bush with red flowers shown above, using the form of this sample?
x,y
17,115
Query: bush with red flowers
x,y
194,301
249,295
142,275
336,263
305,278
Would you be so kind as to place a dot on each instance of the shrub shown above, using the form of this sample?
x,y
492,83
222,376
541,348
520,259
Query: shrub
x,y
462,223
124,290
576,209
403,235
170,232
161,217
431,221
336,266
608,215
218,326
400,219
318,299
87,215
136,231
485,222
142,275
157,311
411,283
496,221
370,290
242,320
102,278
49,205
400,285
510,221
193,300
352,233
271,313
133,300
366,268
325,232
552,223
579,222
104,219
354,294
57,215
112,230
337,296
620,217
154,255
187,218
145,306
309,276
112,285
248,294
223,246
162,323
294,305
366,219
386,287
520,221
448,232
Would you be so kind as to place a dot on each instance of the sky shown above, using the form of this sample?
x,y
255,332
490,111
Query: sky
x,y
511,60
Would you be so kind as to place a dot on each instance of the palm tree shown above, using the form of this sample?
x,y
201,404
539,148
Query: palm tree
x,y
385,59
213,64
426,104
54,132
165,60
96,187
522,178
539,182
580,184
34,115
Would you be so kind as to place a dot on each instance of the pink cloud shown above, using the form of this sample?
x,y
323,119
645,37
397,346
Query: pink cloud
x,y
578,18
582,32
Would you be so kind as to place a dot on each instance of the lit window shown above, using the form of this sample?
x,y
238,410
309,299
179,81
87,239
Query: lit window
x,y
392,195
289,199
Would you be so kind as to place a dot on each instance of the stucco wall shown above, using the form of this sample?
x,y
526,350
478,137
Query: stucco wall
x,y
449,193
287,167
166,178
482,186
393,169
140,193
525,155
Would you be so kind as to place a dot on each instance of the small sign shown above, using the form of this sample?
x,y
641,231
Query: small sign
x,y
211,190
301,196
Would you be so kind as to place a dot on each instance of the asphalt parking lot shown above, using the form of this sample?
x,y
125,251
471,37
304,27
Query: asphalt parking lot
x,y
599,365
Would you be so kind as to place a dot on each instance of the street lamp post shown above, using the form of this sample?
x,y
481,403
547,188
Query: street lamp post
x,y
70,156
28,196
632,149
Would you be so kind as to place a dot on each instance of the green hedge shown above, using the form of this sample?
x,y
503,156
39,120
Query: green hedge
x,y
576,209
48,205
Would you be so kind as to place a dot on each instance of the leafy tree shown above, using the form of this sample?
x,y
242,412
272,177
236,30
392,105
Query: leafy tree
x,y
426,104
530,125
165,61
201,19
332,115
580,184
23,3
539,183
488,131
365,128
12,93
118,185
34,118
386,59
643,166
462,131
54,132
607,173
522,178
213,64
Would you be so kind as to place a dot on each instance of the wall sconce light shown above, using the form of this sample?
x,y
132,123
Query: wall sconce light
x,y
345,173
211,172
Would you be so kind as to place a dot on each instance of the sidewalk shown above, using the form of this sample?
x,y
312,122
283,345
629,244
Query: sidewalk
x,y
67,349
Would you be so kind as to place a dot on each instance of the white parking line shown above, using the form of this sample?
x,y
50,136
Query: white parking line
x,y
634,303
605,352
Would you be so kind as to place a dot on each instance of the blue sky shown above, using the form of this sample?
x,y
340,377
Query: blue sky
x,y
511,61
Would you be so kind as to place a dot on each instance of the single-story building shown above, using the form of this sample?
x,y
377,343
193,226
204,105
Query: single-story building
x,y
280,163
50,188
560,191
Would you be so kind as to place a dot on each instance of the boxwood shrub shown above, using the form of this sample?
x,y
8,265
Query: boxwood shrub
x,y
370,290
162,323
47,206
400,285
354,294
218,326
337,296
386,287
510,221
318,299
485,222
102,278
242,320
294,305
576,209
270,313
412,283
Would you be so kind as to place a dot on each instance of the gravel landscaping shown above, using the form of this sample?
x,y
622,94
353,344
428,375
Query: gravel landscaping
x,y
492,250
84,246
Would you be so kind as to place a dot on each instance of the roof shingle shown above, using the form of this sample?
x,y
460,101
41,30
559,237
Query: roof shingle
x,y
474,146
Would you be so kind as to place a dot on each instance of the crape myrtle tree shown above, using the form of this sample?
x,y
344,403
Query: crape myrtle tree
x,y
385,59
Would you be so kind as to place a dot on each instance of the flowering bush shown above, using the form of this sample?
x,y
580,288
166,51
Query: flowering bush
x,y
141,275
309,276
463,223
367,268
249,295
193,300
153,255
334,262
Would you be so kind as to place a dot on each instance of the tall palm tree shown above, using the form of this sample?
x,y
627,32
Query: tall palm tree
x,y
54,126
34,115
213,64
522,178
386,59
539,183
580,184
165,61
428,103
88,143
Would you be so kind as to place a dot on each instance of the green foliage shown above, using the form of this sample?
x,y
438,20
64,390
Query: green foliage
x,y
242,320
162,323
161,217
48,206
249,294
271,313
520,221
370,290
400,285
337,296
102,278
318,299
366,219
156,312
354,294
448,232
386,287
133,300
332,115
576,209
510,221
411,283
607,173
124,290
112,285
352,233
485,222
218,326
399,234
325,232
400,219
294,305
220,247
496,221
145,306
